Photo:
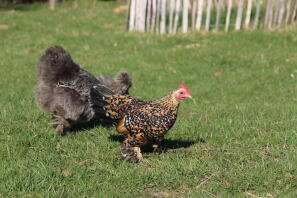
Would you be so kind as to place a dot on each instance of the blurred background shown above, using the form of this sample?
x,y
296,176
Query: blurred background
x,y
236,138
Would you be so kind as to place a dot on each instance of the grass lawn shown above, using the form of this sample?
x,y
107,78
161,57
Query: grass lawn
x,y
237,138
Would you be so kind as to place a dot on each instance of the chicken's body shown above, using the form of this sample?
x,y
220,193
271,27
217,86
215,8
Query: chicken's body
x,y
141,122
69,106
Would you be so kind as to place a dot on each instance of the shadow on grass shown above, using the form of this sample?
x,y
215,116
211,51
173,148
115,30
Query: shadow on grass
x,y
167,144
91,124
26,6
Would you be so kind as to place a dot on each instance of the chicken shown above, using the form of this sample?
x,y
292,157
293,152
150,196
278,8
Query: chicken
x,y
120,84
140,122
68,106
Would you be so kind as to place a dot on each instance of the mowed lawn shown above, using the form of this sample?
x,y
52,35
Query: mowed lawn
x,y
236,138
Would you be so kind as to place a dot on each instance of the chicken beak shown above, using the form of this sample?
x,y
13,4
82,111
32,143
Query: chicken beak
x,y
189,96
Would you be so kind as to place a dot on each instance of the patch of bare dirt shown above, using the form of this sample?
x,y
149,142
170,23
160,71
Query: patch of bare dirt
x,y
3,27
120,9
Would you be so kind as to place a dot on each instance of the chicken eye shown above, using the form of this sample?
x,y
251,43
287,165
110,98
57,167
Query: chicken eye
x,y
182,92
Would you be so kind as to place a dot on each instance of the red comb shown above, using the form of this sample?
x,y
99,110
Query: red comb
x,y
183,87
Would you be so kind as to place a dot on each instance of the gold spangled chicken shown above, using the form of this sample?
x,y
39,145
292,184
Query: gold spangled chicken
x,y
141,122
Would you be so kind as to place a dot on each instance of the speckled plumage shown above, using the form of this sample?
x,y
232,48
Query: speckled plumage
x,y
141,122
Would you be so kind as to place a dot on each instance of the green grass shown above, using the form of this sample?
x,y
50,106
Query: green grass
x,y
239,132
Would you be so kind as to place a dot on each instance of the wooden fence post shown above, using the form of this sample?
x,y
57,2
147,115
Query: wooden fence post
x,y
140,17
178,3
52,4
193,14
275,13
132,10
293,18
239,15
229,9
171,11
185,15
148,14
258,9
137,10
158,16
281,14
208,14
248,13
163,17
154,10
288,11
199,14
267,14
218,16
128,15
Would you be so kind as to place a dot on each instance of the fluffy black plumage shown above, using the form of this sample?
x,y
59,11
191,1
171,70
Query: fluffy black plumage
x,y
70,106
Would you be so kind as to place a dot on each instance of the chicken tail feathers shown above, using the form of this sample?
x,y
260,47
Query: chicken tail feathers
x,y
101,101
124,82
99,95
124,78
119,85
114,106
101,90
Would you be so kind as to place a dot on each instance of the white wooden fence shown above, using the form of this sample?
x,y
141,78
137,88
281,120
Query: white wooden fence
x,y
171,16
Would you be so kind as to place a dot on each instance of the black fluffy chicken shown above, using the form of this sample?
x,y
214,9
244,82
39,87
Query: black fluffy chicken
x,y
70,106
